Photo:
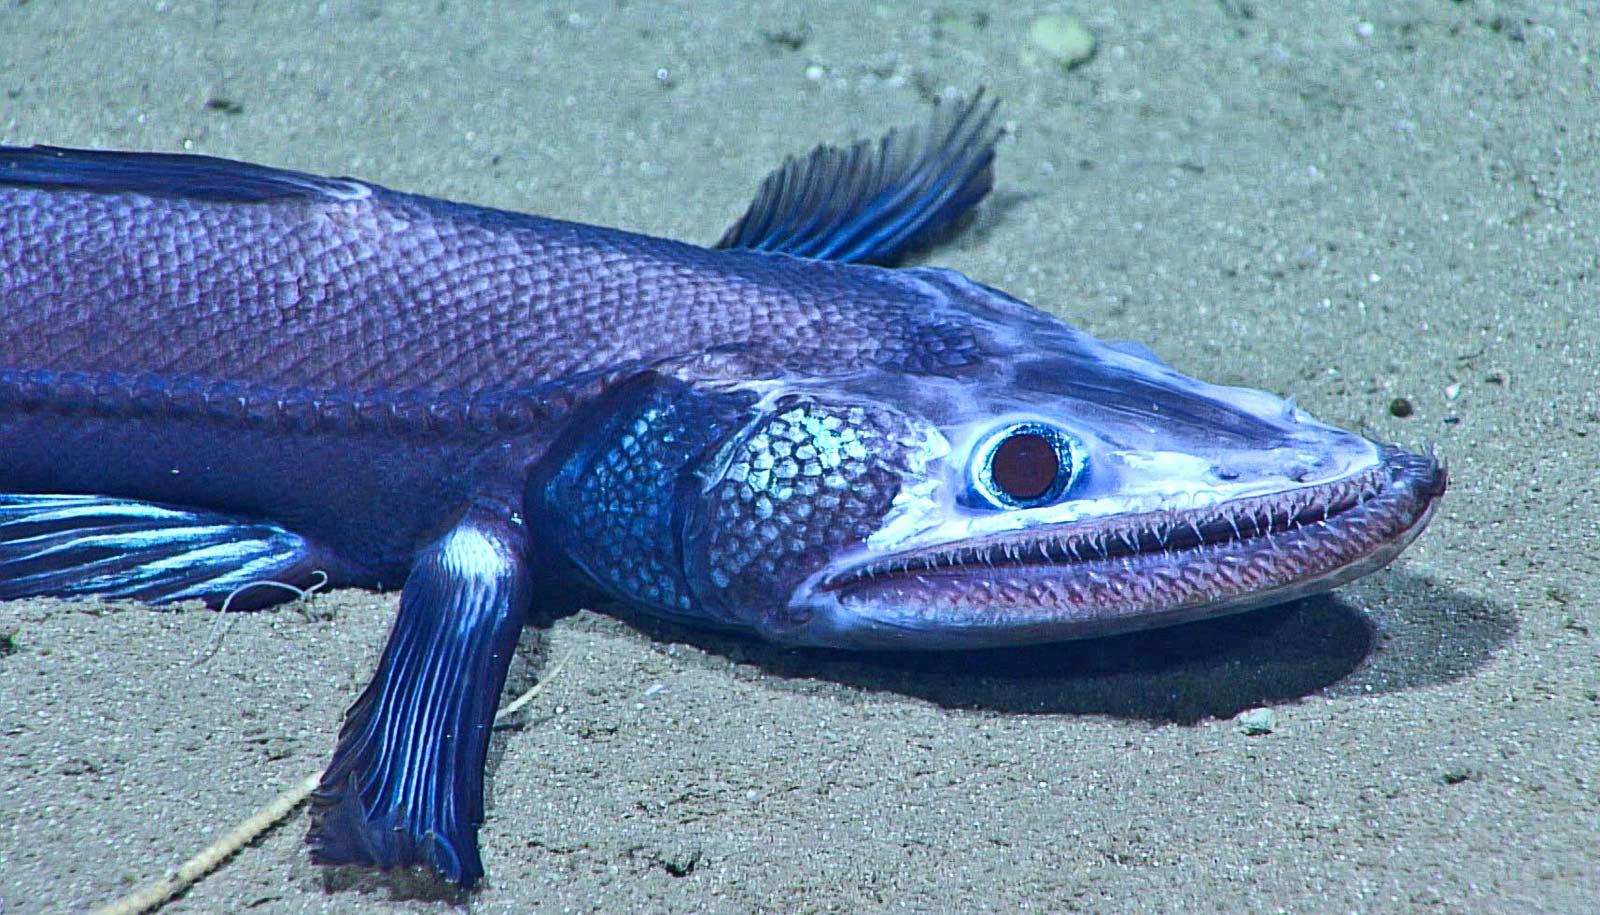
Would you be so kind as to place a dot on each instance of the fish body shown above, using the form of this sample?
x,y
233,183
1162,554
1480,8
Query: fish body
x,y
215,375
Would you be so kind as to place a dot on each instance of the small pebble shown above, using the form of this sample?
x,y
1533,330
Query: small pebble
x,y
1063,40
1256,721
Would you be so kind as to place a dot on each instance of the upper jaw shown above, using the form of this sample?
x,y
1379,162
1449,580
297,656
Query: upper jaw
x,y
1115,573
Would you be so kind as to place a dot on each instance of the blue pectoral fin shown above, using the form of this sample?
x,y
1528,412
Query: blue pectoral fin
x,y
82,546
873,204
405,785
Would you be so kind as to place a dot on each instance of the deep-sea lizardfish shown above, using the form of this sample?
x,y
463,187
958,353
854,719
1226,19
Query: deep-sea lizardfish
x,y
215,374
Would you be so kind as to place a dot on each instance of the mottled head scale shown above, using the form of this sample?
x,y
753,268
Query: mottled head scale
x,y
809,480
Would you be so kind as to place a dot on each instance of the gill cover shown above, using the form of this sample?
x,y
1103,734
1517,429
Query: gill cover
x,y
713,503
807,480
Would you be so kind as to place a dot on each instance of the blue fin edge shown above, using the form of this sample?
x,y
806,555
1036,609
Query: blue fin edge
x,y
165,175
405,786
875,203
62,545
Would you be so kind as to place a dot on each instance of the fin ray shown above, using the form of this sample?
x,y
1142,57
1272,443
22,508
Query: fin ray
x,y
405,785
166,175
62,545
873,204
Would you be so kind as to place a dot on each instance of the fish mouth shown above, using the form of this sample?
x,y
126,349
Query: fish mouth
x,y
1104,576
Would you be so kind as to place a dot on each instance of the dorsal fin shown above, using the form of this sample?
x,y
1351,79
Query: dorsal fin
x,y
874,203
165,175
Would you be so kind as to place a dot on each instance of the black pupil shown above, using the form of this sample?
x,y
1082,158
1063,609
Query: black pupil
x,y
1025,466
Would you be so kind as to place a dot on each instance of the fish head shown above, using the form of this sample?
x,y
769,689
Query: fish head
x,y
1057,488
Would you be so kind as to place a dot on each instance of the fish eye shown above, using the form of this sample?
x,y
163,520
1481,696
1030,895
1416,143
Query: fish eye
x,y
1024,466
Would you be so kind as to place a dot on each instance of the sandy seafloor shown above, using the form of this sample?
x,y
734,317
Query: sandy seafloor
x,y
1350,202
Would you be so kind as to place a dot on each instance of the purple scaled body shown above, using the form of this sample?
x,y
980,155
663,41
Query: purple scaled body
x,y
214,375
335,350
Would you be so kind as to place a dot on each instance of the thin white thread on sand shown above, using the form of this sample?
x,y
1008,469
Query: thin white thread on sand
x,y
153,895
219,626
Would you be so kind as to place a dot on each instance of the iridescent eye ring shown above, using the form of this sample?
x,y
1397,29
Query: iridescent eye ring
x,y
1025,465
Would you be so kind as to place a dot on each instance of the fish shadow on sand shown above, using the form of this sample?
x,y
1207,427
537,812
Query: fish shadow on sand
x,y
1413,633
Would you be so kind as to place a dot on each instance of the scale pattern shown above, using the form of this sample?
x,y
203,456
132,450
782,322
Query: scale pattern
x,y
614,503
813,479
391,292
